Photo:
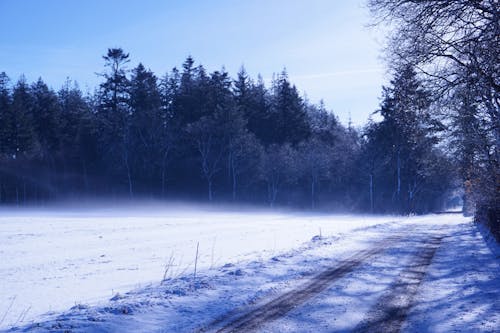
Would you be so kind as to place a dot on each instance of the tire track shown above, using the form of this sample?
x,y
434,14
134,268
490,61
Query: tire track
x,y
391,310
280,306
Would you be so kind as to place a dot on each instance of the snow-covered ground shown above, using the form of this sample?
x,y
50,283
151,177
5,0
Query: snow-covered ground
x,y
107,265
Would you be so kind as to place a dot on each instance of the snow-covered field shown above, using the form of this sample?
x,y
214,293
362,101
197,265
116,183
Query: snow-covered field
x,y
107,265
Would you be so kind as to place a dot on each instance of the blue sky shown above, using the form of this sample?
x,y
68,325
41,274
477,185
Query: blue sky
x,y
324,44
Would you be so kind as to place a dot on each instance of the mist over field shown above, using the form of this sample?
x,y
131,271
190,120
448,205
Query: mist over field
x,y
73,253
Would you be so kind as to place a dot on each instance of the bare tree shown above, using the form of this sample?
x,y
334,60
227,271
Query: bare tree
x,y
278,165
315,161
208,141
451,41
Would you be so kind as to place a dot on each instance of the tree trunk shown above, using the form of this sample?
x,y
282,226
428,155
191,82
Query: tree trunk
x,y
210,190
411,195
371,192
164,173
234,185
85,176
129,177
313,204
272,191
398,191
234,178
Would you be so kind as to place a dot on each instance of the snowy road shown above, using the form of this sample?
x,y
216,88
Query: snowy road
x,y
280,306
391,310
256,271
387,315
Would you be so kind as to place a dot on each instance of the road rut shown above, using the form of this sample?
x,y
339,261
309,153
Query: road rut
x,y
391,310
280,306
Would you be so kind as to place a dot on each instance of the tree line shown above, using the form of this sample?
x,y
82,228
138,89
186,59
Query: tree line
x,y
196,135
455,47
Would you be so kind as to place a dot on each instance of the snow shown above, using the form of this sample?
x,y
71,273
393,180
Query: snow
x,y
54,259
462,289
101,269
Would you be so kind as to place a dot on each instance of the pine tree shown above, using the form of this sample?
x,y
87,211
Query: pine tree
x,y
287,116
5,101
21,136
78,133
114,116
408,135
171,125
5,126
190,99
147,127
252,101
46,116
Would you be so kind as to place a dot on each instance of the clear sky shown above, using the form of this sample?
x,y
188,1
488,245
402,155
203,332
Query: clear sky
x,y
324,44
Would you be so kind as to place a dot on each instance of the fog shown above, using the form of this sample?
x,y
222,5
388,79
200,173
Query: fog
x,y
56,256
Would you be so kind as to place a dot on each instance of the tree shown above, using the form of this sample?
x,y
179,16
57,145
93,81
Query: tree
x,y
190,95
374,160
455,43
404,142
114,114
334,148
46,116
114,90
472,145
149,144
405,109
171,126
46,121
5,101
287,116
315,162
21,143
21,138
243,152
445,34
77,132
252,101
277,167
208,140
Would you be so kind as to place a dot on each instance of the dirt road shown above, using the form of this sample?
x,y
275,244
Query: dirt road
x,y
392,308
386,316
